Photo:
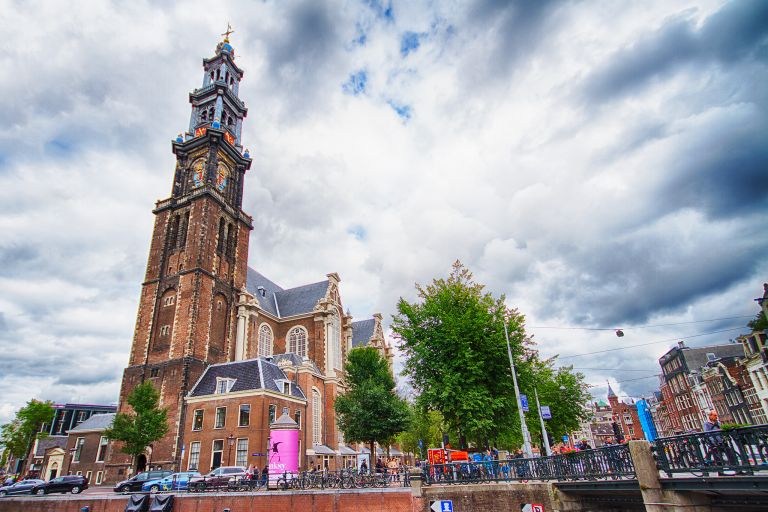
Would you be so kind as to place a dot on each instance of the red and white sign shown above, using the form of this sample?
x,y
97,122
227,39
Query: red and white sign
x,y
532,507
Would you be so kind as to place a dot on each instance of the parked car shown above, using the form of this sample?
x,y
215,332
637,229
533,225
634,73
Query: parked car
x,y
23,487
135,483
174,482
69,483
217,478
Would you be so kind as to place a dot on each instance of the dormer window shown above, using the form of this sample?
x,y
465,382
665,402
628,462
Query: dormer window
x,y
224,385
286,388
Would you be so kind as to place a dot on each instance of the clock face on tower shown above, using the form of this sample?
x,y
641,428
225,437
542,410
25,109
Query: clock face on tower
x,y
198,172
222,176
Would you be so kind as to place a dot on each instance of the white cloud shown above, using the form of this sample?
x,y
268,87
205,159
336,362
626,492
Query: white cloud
x,y
566,202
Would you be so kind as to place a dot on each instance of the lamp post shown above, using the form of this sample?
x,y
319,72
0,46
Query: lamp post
x,y
231,443
523,426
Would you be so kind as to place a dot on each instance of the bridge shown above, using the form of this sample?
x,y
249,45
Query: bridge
x,y
721,470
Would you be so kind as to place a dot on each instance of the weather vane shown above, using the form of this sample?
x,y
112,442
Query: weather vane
x,y
229,31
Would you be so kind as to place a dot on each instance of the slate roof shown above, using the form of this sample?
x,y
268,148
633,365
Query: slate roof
x,y
695,358
362,331
281,302
95,422
610,391
251,374
49,442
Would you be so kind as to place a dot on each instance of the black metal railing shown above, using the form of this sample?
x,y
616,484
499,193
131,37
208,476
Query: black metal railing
x,y
343,479
743,450
609,463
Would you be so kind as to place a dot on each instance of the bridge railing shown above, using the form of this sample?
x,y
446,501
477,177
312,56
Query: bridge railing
x,y
740,449
609,463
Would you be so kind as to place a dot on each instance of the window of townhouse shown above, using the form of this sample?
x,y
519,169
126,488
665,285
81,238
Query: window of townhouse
x,y
101,454
244,418
197,420
78,449
221,417
216,453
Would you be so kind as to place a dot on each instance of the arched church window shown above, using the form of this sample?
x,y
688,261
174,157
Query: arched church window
x,y
173,232
220,242
203,116
182,240
218,73
211,76
297,341
230,240
265,341
317,418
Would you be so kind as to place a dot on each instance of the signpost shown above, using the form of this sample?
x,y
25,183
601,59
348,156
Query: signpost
x,y
442,506
524,401
545,412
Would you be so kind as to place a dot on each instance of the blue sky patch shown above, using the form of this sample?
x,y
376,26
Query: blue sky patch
x,y
403,111
357,231
356,82
409,43
382,9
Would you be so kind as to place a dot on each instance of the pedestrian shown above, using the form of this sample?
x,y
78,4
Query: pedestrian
x,y
363,467
265,474
712,423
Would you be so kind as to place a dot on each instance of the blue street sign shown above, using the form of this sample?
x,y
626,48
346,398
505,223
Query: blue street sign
x,y
524,402
565,439
545,412
441,506
421,444
258,455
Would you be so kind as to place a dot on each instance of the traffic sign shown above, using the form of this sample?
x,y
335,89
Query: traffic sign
x,y
258,454
545,412
565,439
441,506
524,402
532,507
421,444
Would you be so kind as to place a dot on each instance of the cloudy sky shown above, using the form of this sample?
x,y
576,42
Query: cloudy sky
x,y
603,164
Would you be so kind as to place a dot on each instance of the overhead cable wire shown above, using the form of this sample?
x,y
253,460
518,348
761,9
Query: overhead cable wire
x,y
627,380
637,327
650,343
612,369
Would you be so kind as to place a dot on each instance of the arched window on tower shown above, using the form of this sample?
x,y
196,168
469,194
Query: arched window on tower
x,y
203,116
182,239
163,325
173,231
218,73
219,323
317,418
211,76
297,341
230,240
220,241
265,341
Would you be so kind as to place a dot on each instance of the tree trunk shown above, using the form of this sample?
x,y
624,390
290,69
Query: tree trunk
x,y
373,455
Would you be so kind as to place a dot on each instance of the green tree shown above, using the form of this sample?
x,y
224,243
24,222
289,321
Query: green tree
x,y
146,424
456,354
425,426
18,435
759,323
370,410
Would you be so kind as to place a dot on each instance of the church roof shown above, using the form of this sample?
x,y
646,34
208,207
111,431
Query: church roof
x,y
249,375
610,391
362,331
95,422
280,302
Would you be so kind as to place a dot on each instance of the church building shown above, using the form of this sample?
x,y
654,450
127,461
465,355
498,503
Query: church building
x,y
229,349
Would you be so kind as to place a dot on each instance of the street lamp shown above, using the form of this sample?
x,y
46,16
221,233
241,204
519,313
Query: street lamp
x,y
523,426
231,443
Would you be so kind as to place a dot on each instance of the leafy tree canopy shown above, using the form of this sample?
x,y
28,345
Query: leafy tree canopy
x,y
427,427
18,435
370,410
146,424
456,359
759,323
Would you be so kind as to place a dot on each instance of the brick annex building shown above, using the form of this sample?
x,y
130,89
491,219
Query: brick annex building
x,y
228,349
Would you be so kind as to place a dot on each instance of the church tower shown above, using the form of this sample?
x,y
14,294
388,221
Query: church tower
x,y
197,263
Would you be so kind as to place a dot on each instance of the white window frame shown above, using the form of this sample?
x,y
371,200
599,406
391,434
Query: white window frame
x,y
241,461
193,453
216,418
294,347
240,415
213,443
317,417
99,477
265,340
79,443
88,475
101,452
224,385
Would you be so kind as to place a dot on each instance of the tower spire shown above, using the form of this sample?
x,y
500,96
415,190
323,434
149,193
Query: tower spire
x,y
229,31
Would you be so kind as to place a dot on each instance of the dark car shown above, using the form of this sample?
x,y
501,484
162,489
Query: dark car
x,y
218,478
23,487
70,483
134,483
